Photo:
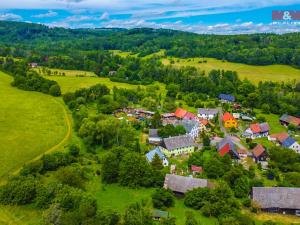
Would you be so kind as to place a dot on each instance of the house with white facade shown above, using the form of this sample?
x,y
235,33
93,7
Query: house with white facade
x,y
207,114
192,127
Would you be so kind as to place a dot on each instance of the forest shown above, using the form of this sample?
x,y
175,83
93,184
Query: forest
x,y
21,39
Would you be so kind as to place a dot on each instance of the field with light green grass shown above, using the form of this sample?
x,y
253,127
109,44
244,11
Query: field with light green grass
x,y
31,123
253,73
118,198
71,84
68,73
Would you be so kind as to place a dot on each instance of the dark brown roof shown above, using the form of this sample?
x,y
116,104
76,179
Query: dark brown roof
x,y
277,197
183,184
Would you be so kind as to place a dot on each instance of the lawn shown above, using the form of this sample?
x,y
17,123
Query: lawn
x,y
31,123
273,121
71,84
68,73
19,215
118,198
254,73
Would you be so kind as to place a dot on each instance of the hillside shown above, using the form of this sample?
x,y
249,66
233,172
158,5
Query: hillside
x,y
254,49
31,124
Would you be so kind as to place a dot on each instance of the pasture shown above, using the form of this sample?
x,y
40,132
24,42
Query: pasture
x,y
277,73
77,79
31,123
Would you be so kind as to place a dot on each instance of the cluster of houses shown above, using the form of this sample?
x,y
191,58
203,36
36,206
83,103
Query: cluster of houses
x,y
271,199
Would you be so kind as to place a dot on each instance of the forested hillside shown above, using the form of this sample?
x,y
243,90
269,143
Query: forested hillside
x,y
22,39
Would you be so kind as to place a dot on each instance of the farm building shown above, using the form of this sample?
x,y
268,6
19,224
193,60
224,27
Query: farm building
x,y
277,199
229,121
154,137
226,146
192,127
181,184
287,120
259,153
178,145
257,131
226,98
33,65
207,114
150,156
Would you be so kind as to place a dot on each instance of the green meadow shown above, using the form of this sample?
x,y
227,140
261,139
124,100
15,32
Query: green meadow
x,y
253,73
31,123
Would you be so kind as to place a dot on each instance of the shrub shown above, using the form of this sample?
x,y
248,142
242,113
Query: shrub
x,y
162,198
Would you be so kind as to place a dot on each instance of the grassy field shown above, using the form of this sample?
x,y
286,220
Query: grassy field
x,y
18,215
30,124
118,198
76,79
253,73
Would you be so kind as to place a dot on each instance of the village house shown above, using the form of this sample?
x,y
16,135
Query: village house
x,y
287,120
285,141
141,113
33,65
150,156
279,137
178,145
283,200
207,114
180,113
154,137
226,146
168,116
291,144
226,98
183,114
257,131
259,154
192,127
229,121
180,184
196,169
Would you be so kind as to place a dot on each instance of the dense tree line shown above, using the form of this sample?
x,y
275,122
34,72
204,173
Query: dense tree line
x,y
28,80
18,39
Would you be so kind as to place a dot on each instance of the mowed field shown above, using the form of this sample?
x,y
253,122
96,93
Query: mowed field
x,y
276,73
30,124
71,82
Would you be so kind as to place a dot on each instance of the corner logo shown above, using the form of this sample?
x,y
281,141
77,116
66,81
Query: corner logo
x,y
286,15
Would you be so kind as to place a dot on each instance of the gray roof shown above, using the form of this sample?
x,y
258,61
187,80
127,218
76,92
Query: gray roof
x,y
277,197
183,184
178,142
187,124
208,111
264,127
153,133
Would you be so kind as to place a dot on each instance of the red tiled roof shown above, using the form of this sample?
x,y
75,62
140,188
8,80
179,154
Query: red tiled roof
x,y
280,136
180,113
258,150
189,116
227,116
203,121
224,150
255,128
198,169
294,120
